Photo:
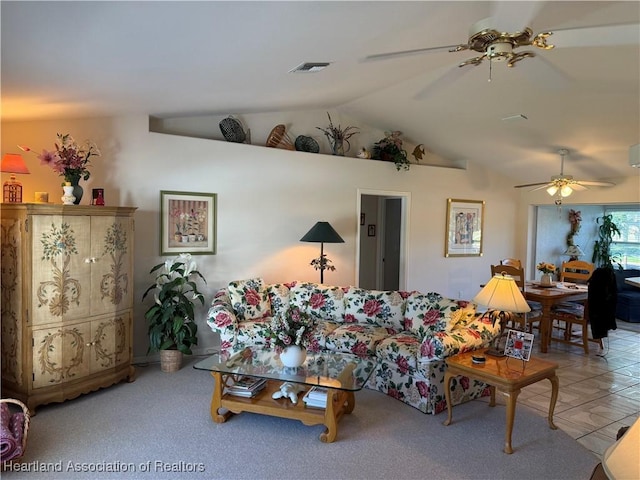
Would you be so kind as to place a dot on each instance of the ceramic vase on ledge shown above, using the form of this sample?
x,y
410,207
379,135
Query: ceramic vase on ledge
x,y
293,356
68,198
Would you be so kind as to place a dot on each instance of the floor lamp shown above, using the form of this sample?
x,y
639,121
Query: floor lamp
x,y
322,232
503,298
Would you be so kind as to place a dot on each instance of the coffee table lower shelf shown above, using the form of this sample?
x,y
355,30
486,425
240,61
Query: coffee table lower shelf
x,y
339,402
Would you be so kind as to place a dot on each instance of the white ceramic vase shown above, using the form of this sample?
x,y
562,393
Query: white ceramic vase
x,y
293,356
68,198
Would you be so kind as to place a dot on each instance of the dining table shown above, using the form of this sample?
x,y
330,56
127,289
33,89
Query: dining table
x,y
548,296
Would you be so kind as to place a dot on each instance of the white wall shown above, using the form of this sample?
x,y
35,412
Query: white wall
x,y
267,199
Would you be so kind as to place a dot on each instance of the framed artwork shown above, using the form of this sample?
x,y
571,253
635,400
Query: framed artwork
x,y
371,230
362,219
519,345
187,223
463,237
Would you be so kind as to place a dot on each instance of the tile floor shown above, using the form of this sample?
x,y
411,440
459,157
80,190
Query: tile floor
x,y
599,393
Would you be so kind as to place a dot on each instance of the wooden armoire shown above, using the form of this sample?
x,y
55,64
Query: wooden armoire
x,y
67,300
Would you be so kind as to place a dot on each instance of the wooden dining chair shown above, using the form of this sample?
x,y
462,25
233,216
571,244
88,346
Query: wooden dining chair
x,y
513,262
569,314
524,320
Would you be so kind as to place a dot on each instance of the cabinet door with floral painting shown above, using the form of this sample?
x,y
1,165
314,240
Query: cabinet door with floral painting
x,y
61,268
111,257
61,353
110,345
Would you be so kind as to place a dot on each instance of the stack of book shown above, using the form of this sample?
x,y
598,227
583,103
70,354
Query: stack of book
x,y
246,386
316,397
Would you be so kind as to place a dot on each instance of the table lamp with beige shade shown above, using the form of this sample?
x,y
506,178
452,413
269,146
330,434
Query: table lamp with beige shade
x,y
503,298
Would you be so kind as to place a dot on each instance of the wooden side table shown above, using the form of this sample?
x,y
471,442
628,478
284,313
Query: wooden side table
x,y
507,374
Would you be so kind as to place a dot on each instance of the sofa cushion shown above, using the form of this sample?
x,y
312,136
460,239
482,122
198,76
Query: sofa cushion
x,y
401,350
356,338
374,307
254,332
427,314
322,302
279,297
249,299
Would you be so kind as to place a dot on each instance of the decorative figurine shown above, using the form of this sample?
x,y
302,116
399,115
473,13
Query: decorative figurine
x,y
288,390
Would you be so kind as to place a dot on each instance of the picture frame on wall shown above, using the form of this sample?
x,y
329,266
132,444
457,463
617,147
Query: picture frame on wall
x,y
187,223
464,228
371,230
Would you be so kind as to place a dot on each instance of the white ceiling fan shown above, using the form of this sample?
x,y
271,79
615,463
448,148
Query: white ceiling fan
x,y
563,185
499,38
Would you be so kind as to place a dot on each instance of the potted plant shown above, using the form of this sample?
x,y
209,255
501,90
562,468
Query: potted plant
x,y
292,334
338,136
547,269
171,319
390,149
602,255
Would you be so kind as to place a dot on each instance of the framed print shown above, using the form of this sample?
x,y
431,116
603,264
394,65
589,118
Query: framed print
x,y
187,223
371,230
463,237
519,345
362,219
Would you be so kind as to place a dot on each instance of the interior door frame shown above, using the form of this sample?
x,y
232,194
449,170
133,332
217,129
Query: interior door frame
x,y
405,198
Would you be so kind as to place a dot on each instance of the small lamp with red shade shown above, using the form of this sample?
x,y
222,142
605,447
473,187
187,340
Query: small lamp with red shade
x,y
12,190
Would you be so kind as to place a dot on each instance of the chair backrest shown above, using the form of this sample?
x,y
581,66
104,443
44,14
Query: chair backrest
x,y
576,271
514,262
515,272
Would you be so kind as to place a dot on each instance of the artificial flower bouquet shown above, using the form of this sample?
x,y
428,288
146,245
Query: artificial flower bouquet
x,y
293,328
545,267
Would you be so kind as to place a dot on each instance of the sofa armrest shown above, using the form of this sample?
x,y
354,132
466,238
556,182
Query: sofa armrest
x,y
477,334
222,319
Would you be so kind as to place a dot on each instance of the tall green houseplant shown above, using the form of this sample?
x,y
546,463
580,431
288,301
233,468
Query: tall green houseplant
x,y
602,255
171,318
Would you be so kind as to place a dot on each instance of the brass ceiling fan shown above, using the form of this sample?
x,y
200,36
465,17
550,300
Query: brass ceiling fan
x,y
498,39
563,185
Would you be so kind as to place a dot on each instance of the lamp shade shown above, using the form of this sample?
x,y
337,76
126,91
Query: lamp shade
x,y
502,293
13,163
573,251
322,232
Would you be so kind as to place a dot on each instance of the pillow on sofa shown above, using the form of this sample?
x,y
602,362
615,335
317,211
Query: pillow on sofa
x,y
320,301
427,314
279,298
374,307
249,299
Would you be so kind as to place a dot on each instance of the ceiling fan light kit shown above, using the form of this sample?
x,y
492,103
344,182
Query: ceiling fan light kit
x,y
561,186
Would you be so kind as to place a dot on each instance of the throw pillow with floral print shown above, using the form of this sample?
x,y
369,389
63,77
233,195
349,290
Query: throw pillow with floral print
x,y
373,307
249,299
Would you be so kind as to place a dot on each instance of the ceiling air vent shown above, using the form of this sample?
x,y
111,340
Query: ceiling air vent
x,y
310,67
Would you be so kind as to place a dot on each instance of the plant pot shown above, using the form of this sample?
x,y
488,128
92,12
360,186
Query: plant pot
x,y
170,360
293,356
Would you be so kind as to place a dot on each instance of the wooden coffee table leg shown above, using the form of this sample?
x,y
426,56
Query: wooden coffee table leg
x,y
350,402
492,398
554,397
512,398
216,399
447,395
330,418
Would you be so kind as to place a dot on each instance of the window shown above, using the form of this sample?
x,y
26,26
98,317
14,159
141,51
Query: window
x,y
626,246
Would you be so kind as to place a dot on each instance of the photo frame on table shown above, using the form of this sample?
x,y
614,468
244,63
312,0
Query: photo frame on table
x,y
187,223
464,228
519,345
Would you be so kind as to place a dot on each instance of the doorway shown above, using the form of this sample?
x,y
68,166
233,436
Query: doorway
x,y
382,235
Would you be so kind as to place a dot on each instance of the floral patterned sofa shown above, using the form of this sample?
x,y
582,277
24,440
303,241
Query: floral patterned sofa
x,y
408,333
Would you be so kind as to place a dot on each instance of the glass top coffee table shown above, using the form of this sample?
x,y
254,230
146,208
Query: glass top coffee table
x,y
339,374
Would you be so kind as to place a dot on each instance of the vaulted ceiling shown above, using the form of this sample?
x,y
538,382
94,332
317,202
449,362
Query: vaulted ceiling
x,y
76,59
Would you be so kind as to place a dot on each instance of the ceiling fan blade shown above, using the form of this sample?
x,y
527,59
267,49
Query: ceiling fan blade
x,y
452,74
514,16
594,184
406,53
540,71
540,185
597,36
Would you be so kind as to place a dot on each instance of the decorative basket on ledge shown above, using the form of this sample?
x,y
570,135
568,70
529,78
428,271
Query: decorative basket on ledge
x,y
14,428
